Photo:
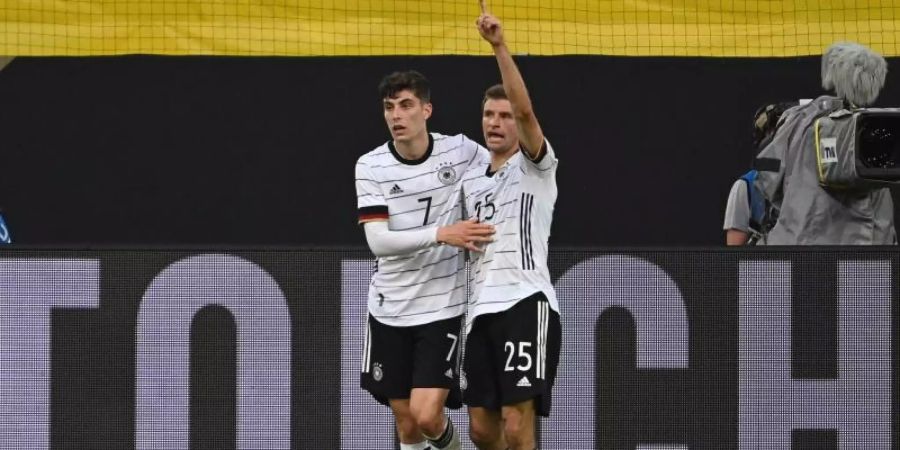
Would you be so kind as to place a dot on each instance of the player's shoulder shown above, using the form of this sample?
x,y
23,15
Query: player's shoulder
x,y
374,155
547,144
444,142
380,150
547,158
478,169
547,148
457,142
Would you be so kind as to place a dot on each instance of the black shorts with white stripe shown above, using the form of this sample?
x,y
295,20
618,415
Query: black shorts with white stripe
x,y
398,359
511,356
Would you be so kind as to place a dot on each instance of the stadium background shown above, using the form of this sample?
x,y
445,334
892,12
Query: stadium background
x,y
239,122
165,123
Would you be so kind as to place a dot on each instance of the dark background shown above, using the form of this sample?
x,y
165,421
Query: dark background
x,y
260,151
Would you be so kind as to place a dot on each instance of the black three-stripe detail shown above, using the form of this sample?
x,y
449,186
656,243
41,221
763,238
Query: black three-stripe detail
x,y
522,228
528,235
525,208
528,208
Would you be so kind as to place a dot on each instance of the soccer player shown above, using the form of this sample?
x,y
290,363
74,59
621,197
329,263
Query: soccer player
x,y
513,343
408,195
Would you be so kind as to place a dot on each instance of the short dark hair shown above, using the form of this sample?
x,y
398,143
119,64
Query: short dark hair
x,y
405,80
494,92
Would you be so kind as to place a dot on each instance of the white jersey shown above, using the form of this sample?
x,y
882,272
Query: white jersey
x,y
426,285
518,200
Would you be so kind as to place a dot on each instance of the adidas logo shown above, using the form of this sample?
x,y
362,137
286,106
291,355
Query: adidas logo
x,y
449,373
524,382
396,190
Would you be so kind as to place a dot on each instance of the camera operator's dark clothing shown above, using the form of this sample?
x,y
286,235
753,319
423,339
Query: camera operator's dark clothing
x,y
810,213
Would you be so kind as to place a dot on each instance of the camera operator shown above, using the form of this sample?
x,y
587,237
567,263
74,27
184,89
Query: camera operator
x,y
813,210
748,214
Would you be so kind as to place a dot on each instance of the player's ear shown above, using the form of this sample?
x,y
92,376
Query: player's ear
x,y
427,108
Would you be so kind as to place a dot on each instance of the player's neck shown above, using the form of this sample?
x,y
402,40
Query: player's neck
x,y
413,149
499,159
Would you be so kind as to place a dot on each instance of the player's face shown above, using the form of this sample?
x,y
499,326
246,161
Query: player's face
x,y
498,125
405,115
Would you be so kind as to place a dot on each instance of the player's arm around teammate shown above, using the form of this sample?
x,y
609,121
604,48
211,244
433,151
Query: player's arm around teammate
x,y
406,115
463,234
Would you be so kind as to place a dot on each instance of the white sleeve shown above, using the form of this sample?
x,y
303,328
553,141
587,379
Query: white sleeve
x,y
545,163
737,211
384,242
370,201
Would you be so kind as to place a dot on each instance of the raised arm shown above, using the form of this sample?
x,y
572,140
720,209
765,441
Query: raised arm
x,y
530,135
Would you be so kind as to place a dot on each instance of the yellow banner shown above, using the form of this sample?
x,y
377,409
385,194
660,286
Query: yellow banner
x,y
421,27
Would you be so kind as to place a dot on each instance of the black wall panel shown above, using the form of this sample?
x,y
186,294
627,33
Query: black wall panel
x,y
248,151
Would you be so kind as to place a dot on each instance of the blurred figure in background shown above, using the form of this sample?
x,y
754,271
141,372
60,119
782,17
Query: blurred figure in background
x,y
748,214
796,169
5,236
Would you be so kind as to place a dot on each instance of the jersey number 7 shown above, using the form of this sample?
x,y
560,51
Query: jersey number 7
x,y
427,201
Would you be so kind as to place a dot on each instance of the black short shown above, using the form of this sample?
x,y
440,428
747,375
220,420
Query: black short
x,y
398,359
511,356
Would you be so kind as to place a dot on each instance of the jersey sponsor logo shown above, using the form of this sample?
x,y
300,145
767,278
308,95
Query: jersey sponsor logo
x,y
524,382
446,173
396,190
377,373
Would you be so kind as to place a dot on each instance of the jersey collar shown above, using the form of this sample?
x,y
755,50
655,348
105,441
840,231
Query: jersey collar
x,y
489,174
412,162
